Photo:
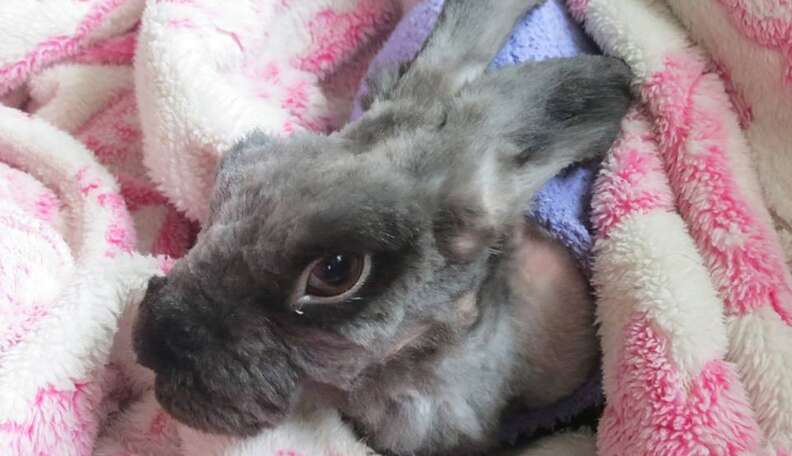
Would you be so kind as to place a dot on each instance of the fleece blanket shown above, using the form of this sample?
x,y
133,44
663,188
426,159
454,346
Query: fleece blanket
x,y
695,303
114,115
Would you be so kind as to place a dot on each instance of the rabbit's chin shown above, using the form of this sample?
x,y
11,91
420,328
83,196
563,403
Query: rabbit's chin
x,y
232,399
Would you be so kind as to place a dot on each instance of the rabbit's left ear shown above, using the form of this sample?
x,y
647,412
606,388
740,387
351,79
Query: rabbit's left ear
x,y
464,41
511,131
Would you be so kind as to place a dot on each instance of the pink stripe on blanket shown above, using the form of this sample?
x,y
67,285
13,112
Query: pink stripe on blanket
x,y
23,302
657,411
768,23
741,105
139,192
160,424
337,36
28,193
694,130
631,181
288,453
55,48
18,323
86,181
176,236
45,233
119,233
47,205
297,103
60,421
117,50
113,133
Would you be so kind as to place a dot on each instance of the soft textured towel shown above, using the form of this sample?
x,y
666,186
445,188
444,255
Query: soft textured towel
x,y
40,34
696,305
96,103
751,49
66,273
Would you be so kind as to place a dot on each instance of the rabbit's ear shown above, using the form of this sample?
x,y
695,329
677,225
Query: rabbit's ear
x,y
511,131
464,41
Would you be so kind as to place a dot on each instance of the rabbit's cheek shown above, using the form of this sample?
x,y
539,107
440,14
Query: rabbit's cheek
x,y
467,309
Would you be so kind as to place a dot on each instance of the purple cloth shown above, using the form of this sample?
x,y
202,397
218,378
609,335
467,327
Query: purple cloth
x,y
561,206
403,43
549,32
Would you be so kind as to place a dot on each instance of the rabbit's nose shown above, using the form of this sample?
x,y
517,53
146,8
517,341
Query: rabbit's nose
x,y
167,344
154,350
164,338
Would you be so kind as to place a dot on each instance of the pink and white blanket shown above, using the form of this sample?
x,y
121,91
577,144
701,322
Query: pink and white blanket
x,y
695,292
114,113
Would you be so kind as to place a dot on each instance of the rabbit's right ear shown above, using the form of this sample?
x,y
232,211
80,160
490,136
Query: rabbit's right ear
x,y
509,132
464,41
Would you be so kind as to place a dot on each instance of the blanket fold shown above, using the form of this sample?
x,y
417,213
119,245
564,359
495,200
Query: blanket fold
x,y
728,393
207,74
66,271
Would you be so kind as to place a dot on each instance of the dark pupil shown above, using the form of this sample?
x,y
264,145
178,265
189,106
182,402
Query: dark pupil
x,y
335,270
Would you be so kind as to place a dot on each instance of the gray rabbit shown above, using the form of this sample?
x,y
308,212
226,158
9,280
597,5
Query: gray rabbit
x,y
387,269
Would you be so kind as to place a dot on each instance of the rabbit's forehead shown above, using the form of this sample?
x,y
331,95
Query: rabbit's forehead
x,y
300,220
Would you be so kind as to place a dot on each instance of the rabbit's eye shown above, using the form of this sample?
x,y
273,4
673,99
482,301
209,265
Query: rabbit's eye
x,y
333,278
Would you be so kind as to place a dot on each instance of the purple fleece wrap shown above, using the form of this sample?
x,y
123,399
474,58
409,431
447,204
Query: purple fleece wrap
x,y
561,206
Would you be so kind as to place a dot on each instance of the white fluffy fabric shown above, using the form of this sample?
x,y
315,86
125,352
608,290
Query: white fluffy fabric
x,y
695,293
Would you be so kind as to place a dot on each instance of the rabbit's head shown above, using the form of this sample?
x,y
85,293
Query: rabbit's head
x,y
325,256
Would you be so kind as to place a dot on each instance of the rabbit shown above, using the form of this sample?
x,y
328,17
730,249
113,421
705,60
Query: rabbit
x,y
387,269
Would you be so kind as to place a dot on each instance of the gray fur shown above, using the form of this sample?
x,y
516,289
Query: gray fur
x,y
451,328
